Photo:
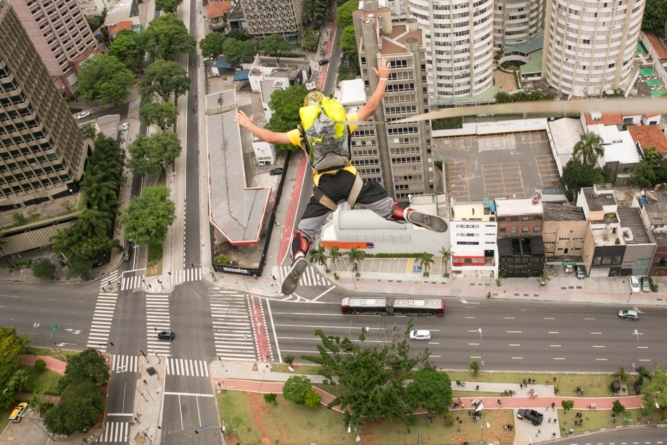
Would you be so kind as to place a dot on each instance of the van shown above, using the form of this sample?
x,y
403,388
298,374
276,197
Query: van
x,y
19,412
127,251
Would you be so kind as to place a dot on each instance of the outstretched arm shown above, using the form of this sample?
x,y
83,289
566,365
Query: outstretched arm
x,y
373,103
262,133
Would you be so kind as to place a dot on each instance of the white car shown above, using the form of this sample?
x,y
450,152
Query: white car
x,y
83,115
420,335
634,285
125,126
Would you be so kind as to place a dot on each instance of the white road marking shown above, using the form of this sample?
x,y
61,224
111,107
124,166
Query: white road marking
x,y
514,332
324,293
471,318
166,393
549,318
517,358
596,333
601,359
553,332
516,344
598,346
559,358
509,318
589,318
555,346
642,347
473,344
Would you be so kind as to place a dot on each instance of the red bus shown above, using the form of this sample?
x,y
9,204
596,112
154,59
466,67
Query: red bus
x,y
393,306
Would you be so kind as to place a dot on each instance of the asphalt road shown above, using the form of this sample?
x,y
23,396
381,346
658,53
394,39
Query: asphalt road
x,y
189,406
620,436
515,335
121,109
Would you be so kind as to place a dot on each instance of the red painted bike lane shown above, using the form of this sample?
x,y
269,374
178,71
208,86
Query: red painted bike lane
x,y
259,328
289,226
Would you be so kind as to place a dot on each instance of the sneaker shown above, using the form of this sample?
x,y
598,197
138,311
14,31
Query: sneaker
x,y
430,222
291,280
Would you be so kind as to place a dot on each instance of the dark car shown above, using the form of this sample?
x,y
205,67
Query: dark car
x,y
323,62
276,171
166,335
530,416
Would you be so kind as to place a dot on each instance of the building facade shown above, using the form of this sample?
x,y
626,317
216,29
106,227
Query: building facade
x,y
520,245
564,230
42,150
266,17
60,35
516,21
458,37
589,46
473,236
398,156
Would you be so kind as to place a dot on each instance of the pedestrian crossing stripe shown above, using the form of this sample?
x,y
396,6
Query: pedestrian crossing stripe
x,y
310,277
125,363
157,320
192,368
232,326
109,280
98,337
115,432
185,275
134,282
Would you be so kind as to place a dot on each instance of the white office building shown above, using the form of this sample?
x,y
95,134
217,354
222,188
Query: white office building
x,y
516,21
473,237
589,46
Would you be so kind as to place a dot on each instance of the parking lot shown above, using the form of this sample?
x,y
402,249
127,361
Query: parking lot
x,y
511,165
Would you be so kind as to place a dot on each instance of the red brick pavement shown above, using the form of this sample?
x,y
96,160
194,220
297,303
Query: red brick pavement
x,y
52,364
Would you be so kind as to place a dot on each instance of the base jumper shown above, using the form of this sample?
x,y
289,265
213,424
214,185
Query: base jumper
x,y
324,134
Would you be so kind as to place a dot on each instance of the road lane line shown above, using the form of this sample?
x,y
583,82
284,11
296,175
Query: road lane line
x,y
598,346
472,318
596,333
644,360
601,359
514,332
475,356
509,318
515,344
473,330
589,318
473,344
553,332
433,343
555,346
193,394
559,358
549,318
642,347
323,293
517,358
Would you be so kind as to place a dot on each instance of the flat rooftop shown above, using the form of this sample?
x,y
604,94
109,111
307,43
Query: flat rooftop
x,y
562,212
470,211
512,207
631,219
235,210
595,118
596,202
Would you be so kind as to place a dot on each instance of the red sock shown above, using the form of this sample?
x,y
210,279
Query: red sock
x,y
398,214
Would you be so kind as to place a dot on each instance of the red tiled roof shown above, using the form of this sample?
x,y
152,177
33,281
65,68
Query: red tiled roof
x,y
649,136
607,119
656,44
120,26
218,9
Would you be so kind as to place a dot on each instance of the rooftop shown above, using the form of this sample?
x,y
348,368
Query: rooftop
x,y
565,133
562,212
469,211
594,118
218,9
656,209
534,65
267,87
619,146
657,44
352,92
121,10
597,201
394,42
632,226
236,211
649,136
525,206
533,44
125,25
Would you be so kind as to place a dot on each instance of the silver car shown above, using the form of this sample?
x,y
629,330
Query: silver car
x,y
646,284
628,315
421,334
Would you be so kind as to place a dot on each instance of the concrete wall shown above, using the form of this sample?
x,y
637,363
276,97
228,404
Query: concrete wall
x,y
657,269
638,258
564,237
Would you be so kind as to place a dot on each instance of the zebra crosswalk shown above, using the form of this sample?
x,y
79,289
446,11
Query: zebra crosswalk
x,y
125,363
232,325
182,276
310,277
115,432
134,282
193,368
103,315
157,320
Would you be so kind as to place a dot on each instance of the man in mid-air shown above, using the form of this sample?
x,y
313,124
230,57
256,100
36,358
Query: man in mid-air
x,y
324,134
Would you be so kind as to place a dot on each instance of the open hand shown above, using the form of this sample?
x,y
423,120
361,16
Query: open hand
x,y
382,71
243,120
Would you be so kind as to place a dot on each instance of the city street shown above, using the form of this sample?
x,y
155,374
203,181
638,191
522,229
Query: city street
x,y
619,436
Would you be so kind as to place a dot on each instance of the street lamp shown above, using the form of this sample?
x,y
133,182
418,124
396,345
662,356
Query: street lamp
x,y
480,348
636,350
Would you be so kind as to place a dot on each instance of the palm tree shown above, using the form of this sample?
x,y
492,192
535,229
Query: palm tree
x,y
588,149
318,256
355,256
446,255
334,253
425,259
95,222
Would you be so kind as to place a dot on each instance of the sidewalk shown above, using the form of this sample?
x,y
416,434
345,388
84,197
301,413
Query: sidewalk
x,y
52,364
145,420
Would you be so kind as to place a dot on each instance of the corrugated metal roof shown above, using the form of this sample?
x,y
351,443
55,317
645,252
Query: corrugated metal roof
x,y
33,239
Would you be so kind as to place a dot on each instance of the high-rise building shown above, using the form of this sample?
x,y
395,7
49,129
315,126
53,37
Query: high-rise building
x,y
60,35
589,46
266,17
516,21
459,47
42,150
396,155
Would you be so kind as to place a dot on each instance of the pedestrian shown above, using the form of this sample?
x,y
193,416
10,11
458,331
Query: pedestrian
x,y
274,277
192,264
546,383
469,413
553,435
145,383
521,385
546,409
555,420
549,421
553,406
138,415
554,379
131,423
430,418
150,287
155,327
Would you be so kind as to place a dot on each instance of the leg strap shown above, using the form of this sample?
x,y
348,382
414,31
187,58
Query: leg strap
x,y
324,200
356,189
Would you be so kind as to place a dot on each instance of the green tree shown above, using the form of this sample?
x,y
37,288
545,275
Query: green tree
x,y
446,255
425,259
655,16
168,6
522,96
275,45
644,175
79,407
577,176
3,240
588,149
11,346
148,216
348,45
270,398
285,105
93,222
163,115
43,268
314,11
618,407
344,15
567,404
296,388
211,45
239,50
474,367
656,392
40,365
104,78
335,255
126,47
431,390
18,380
149,154
289,359
88,130
375,377
620,375
356,256
238,35
165,79
88,365
318,256
309,39
166,36
96,21
312,400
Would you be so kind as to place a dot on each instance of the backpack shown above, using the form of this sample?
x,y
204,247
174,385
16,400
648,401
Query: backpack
x,y
328,142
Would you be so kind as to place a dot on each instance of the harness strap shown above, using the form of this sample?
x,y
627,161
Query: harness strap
x,y
324,200
356,189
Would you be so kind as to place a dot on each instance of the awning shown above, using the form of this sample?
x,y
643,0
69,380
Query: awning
x,y
241,75
467,253
222,63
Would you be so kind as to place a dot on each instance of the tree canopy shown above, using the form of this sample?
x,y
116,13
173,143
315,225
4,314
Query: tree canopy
x,y
166,36
655,16
149,153
349,69
88,365
523,96
651,170
655,393
163,115
11,346
239,50
238,35
169,6
431,390
148,216
588,149
296,388
211,45
79,407
126,47
285,105
275,45
344,14
104,78
43,268
577,176
165,79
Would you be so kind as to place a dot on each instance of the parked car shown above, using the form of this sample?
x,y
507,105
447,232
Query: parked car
x,y
646,285
568,268
127,251
420,334
531,416
83,115
634,284
628,314
18,412
581,272
166,335
125,126
323,62
276,171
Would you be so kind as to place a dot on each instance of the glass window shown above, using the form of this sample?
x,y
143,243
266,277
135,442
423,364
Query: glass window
x,y
617,259
537,229
513,229
524,229
597,260
606,260
503,230
644,262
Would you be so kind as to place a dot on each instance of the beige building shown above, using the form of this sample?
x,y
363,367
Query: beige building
x,y
564,230
60,35
42,150
516,21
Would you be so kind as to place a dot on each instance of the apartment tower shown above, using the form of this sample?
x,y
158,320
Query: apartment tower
x,y
60,35
396,155
516,21
589,45
42,150
266,17
458,37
